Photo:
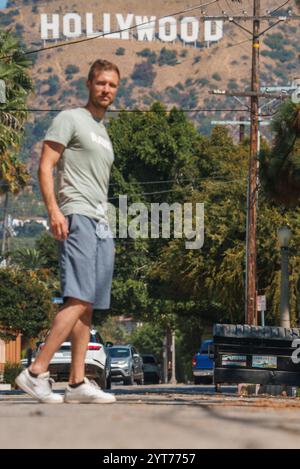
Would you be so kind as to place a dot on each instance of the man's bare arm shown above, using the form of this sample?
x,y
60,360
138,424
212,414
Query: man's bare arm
x,y
51,153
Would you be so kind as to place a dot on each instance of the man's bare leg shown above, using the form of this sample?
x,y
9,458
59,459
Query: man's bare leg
x,y
80,336
62,326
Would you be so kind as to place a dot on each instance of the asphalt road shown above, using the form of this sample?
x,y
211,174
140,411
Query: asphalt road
x,y
161,417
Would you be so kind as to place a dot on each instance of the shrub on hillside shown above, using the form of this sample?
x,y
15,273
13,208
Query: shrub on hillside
x,y
143,74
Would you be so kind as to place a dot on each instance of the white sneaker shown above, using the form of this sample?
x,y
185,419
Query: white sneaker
x,y
88,393
39,388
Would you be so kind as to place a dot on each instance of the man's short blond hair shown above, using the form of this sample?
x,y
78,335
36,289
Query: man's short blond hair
x,y
100,65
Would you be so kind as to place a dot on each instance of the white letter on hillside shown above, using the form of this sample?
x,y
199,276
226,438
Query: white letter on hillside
x,y
106,28
89,21
186,35
145,27
167,35
209,35
124,23
70,18
49,26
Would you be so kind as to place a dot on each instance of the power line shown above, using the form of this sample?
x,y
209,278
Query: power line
x,y
168,181
172,190
195,7
228,4
279,8
22,206
164,181
148,110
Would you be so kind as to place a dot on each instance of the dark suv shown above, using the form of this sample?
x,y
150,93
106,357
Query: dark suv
x,y
126,364
152,372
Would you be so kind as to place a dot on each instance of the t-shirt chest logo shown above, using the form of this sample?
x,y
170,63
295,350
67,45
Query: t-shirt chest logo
x,y
101,141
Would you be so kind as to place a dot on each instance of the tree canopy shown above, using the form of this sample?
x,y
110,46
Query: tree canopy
x,y
25,303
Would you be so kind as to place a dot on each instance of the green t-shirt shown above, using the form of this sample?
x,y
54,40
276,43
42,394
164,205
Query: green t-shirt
x,y
83,169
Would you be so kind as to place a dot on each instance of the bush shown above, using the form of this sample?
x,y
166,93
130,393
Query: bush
x,y
232,84
202,81
120,51
11,371
149,55
143,74
167,57
180,86
25,302
280,55
53,83
80,88
71,69
276,41
19,28
216,77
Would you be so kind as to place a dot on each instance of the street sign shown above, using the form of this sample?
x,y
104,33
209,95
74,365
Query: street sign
x,y
261,303
58,301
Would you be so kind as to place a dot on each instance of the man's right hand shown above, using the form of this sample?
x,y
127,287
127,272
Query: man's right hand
x,y
59,225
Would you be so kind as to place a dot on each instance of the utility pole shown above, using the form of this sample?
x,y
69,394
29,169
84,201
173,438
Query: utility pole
x,y
5,225
251,307
173,375
254,95
165,359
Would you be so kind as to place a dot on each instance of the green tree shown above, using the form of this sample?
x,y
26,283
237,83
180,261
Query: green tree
x,y
280,165
213,277
47,248
110,329
30,229
156,146
148,338
25,304
14,72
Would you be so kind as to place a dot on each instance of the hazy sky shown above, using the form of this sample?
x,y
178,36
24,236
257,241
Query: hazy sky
x,y
3,3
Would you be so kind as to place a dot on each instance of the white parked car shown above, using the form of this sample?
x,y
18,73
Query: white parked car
x,y
97,362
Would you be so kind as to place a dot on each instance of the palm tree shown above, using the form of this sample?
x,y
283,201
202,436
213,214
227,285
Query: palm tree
x,y
14,66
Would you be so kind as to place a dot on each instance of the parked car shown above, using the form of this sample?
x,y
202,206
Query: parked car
x,y
203,363
97,361
126,364
152,371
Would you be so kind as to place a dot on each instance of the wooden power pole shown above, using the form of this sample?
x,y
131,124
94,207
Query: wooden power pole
x,y
252,195
251,308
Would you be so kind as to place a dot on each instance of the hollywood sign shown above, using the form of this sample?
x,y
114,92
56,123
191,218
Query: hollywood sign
x,y
143,28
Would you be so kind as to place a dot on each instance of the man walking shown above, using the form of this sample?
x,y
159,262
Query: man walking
x,y
77,142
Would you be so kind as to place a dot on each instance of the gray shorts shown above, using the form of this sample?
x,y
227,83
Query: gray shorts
x,y
86,263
